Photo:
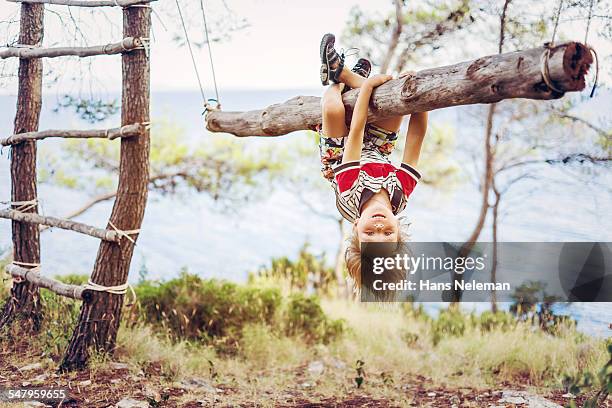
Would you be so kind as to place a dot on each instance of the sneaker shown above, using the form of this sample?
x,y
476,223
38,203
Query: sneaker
x,y
331,62
363,67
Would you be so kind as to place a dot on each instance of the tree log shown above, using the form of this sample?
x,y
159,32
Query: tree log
x,y
86,3
34,277
111,134
24,299
125,45
485,80
103,234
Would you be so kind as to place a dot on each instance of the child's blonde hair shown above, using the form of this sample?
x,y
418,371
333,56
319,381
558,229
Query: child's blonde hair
x,y
352,256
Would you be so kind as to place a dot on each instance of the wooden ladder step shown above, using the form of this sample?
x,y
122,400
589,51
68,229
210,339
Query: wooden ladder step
x,y
33,276
87,3
103,234
111,134
25,52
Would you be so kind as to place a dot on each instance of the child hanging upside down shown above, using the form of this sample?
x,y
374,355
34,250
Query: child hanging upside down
x,y
370,191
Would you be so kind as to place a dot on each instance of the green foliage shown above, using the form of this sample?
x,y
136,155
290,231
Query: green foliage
x,y
532,303
219,167
91,110
424,26
217,312
192,308
307,269
73,279
488,321
450,323
60,317
586,381
304,317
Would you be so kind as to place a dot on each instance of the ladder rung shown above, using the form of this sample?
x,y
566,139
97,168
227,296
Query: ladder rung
x,y
103,234
55,286
124,131
86,3
125,45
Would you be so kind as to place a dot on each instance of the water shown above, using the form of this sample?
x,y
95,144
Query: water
x,y
192,231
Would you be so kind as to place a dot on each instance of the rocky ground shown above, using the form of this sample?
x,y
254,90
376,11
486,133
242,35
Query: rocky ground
x,y
116,385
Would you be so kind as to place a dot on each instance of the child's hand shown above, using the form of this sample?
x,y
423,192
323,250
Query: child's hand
x,y
377,80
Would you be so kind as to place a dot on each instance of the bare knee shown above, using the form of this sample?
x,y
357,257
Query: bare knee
x,y
333,107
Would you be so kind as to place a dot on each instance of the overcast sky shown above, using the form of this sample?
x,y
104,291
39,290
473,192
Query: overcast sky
x,y
279,48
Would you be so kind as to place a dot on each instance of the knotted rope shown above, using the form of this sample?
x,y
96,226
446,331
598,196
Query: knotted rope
x,y
22,206
114,290
125,233
32,267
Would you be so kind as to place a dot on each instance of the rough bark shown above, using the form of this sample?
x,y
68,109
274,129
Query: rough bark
x,y
34,277
86,3
100,317
103,234
485,80
125,45
111,134
24,297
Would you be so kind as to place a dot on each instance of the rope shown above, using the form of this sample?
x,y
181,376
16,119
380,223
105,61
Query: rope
x,y
23,206
544,69
33,267
125,233
210,57
195,66
114,290
592,50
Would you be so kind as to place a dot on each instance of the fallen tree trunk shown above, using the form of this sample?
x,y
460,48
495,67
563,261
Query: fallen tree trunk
x,y
111,134
125,45
485,80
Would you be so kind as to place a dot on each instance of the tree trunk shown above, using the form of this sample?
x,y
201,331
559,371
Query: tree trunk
x,y
486,185
343,289
99,319
24,297
494,260
486,80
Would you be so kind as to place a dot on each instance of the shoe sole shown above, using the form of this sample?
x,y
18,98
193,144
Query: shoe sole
x,y
324,71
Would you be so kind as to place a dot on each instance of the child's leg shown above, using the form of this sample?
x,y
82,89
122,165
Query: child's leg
x,y
350,78
391,124
334,120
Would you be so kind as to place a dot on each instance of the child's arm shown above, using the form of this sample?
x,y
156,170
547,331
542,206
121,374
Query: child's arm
x,y
354,142
414,138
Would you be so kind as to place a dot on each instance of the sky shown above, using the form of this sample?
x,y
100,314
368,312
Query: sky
x,y
278,49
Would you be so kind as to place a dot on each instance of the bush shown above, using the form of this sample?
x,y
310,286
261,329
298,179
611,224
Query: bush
x,y
449,323
192,308
488,321
305,317
307,270
218,312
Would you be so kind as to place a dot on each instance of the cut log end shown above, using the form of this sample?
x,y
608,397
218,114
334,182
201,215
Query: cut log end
x,y
577,60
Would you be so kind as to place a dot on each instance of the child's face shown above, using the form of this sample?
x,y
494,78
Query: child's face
x,y
377,223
